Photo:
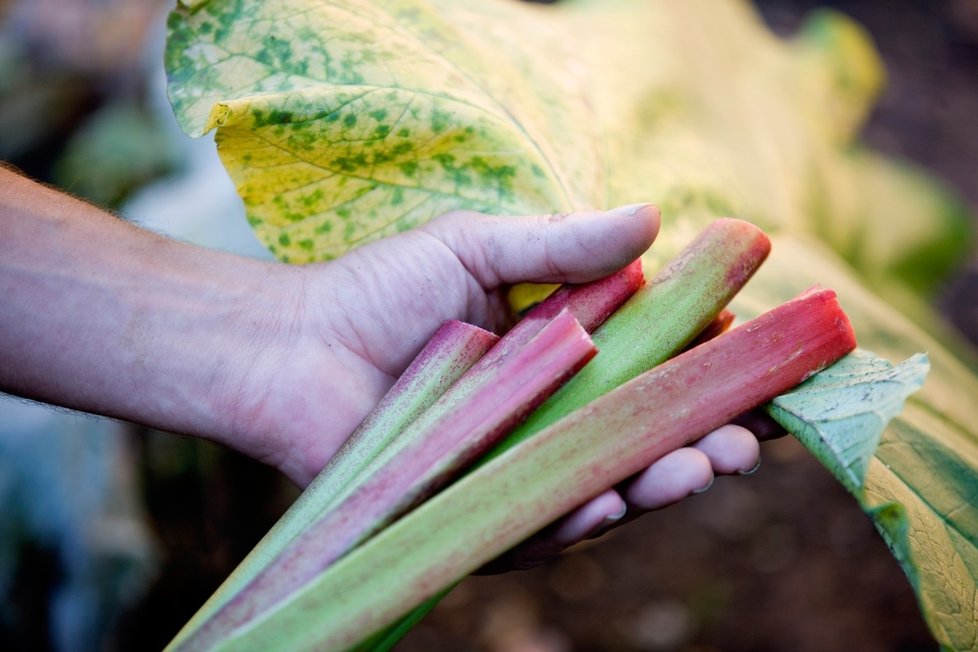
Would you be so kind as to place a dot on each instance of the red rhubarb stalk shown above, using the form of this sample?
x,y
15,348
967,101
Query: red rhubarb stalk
x,y
450,352
519,492
590,303
505,392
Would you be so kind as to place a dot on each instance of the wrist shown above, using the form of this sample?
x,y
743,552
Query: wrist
x,y
216,328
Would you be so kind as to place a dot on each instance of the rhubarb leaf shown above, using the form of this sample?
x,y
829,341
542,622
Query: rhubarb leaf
x,y
338,125
840,414
920,491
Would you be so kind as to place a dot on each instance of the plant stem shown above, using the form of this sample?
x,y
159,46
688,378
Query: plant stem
x,y
497,397
523,490
450,352
661,319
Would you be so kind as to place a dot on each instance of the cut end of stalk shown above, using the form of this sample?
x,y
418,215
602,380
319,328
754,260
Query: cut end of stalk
x,y
720,325
740,242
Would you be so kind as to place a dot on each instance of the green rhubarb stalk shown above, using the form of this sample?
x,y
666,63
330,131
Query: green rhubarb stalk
x,y
661,319
591,304
681,306
516,494
504,393
450,352
717,327
386,639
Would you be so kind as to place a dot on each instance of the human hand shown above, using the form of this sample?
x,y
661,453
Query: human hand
x,y
283,362
358,321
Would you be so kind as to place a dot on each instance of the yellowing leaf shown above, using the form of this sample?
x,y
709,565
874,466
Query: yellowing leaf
x,y
343,122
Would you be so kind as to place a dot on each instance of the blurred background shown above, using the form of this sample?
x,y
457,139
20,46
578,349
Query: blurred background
x,y
111,536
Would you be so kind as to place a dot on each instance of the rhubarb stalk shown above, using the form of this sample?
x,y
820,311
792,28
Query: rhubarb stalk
x,y
503,394
661,319
450,352
522,490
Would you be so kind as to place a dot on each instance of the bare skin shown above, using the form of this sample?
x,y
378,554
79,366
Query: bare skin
x,y
282,362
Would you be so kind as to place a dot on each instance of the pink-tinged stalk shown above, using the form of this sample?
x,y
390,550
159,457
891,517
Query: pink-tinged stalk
x,y
680,307
450,352
661,319
454,348
717,327
504,394
590,303
521,491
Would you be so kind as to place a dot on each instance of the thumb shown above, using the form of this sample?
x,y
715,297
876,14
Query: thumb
x,y
573,247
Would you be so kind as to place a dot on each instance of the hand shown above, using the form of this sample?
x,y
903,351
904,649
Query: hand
x,y
282,362
363,317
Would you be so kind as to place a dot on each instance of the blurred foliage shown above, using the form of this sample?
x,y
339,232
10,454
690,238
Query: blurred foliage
x,y
75,545
73,97
76,550
117,150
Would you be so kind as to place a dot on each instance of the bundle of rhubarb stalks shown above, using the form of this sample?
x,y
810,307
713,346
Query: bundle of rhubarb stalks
x,y
485,440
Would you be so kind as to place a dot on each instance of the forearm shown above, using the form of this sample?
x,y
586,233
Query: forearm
x,y
102,316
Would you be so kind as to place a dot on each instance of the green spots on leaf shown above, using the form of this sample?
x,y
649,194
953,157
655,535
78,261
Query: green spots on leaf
x,y
350,120
440,121
409,168
273,116
312,199
276,52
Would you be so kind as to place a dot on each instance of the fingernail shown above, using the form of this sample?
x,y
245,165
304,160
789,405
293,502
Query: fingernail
x,y
703,489
629,210
751,470
607,523
614,518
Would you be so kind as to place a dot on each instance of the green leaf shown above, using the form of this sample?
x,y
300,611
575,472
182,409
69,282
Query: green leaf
x,y
346,120
840,413
919,490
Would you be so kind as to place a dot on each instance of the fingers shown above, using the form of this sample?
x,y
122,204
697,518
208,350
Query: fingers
x,y
687,471
731,449
597,514
679,474
575,247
